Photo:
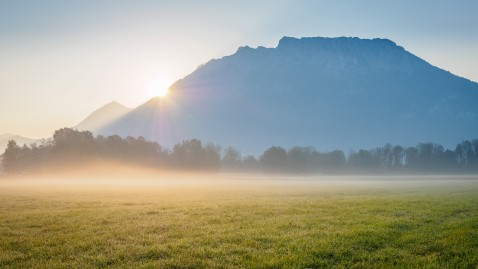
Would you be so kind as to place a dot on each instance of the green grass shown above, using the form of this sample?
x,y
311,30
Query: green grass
x,y
240,223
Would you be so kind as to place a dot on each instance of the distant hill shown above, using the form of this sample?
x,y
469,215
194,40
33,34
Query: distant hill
x,y
19,139
157,120
327,92
103,116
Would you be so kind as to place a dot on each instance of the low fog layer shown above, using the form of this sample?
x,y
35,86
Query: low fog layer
x,y
113,177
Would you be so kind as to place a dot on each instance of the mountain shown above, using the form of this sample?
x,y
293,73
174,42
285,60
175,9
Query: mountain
x,y
159,120
103,116
100,117
19,139
345,93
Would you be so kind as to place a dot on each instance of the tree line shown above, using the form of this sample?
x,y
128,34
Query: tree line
x,y
69,146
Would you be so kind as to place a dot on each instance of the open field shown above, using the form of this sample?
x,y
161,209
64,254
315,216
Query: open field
x,y
239,222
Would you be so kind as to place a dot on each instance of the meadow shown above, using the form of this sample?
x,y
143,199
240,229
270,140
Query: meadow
x,y
238,221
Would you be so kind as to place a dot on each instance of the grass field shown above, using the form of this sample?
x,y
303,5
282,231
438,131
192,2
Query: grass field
x,y
239,222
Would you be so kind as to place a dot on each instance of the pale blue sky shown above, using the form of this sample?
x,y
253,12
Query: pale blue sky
x,y
60,60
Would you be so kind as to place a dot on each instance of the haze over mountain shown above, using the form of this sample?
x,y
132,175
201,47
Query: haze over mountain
x,y
327,92
103,116
19,139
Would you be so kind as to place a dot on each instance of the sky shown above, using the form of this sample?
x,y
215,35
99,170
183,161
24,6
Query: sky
x,y
61,60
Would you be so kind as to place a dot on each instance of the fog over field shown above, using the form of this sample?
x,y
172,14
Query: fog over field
x,y
118,180
116,173
142,219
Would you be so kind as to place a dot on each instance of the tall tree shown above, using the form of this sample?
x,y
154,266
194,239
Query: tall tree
x,y
274,160
232,159
12,157
397,157
72,143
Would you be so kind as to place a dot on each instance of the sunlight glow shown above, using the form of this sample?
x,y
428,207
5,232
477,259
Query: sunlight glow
x,y
158,87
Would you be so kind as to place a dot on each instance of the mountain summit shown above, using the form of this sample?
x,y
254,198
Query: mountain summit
x,y
327,92
103,116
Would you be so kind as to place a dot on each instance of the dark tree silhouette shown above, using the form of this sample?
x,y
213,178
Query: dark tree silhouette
x,y
274,160
191,155
411,159
250,164
73,146
12,158
398,154
467,155
232,159
302,160
333,161
363,160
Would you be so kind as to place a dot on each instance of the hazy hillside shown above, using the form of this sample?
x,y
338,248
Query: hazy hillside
x,y
19,139
103,116
327,92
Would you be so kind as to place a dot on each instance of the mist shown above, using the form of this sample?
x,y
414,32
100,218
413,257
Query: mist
x,y
101,175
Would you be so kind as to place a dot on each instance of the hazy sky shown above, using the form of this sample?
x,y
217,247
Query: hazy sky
x,y
60,60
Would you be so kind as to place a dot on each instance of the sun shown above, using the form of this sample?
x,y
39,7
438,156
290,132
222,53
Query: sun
x,y
158,87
